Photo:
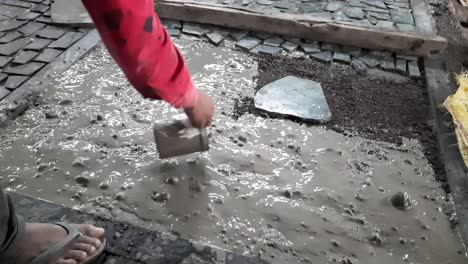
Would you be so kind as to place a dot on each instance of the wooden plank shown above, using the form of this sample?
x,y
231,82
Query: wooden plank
x,y
300,26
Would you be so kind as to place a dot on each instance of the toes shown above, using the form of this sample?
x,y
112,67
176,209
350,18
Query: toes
x,y
90,241
76,255
67,261
88,248
91,231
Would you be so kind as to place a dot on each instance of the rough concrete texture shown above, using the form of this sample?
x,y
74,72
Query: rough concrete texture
x,y
268,187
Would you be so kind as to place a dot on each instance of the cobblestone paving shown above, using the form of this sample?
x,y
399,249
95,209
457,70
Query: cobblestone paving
x,y
387,14
29,41
263,43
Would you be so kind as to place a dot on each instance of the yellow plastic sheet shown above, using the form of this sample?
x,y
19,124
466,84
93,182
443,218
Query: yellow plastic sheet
x,y
457,105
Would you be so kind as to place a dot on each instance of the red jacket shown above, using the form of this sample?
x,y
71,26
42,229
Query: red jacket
x,y
138,42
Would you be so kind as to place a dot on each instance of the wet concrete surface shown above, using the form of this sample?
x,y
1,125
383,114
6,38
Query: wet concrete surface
x,y
268,188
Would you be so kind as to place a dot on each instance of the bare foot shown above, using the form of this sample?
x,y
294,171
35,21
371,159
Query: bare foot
x,y
39,237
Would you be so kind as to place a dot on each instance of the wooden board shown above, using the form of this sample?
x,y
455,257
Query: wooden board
x,y
301,26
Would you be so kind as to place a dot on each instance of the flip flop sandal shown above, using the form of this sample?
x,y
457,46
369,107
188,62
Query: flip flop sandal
x,y
57,251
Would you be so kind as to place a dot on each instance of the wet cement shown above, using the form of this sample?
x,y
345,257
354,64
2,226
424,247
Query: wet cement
x,y
271,188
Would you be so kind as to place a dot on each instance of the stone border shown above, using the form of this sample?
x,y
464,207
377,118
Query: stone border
x,y
18,100
130,244
438,86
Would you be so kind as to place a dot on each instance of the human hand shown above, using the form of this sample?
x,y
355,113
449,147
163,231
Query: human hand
x,y
200,114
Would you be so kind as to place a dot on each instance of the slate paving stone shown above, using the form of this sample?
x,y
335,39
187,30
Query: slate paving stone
x,y
264,2
238,35
248,43
194,29
216,37
3,77
3,91
2,34
261,35
174,32
413,69
312,7
354,12
9,48
294,96
28,16
25,70
38,44
7,25
31,27
273,41
380,54
353,51
405,27
378,15
35,1
322,15
359,66
25,57
70,12
401,66
403,17
266,49
388,64
10,36
370,61
356,3
51,32
335,6
39,8
385,24
341,16
48,55
15,81
309,48
377,10
329,46
342,57
11,11
289,46
46,14
66,40
171,23
17,3
324,56
375,3
284,5
4,61
44,19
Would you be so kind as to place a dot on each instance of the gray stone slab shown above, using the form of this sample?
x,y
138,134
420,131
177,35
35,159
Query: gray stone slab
x,y
238,35
69,12
4,61
194,29
370,61
312,7
26,69
273,41
171,23
378,15
359,66
354,12
333,6
294,96
356,3
353,51
28,16
15,81
342,57
48,55
401,66
248,43
9,48
385,24
285,5
17,3
3,91
403,17
35,1
3,77
406,57
266,49
405,27
31,28
46,14
329,46
216,37
25,57
66,40
10,36
309,48
38,44
380,54
44,19
264,2
7,25
375,3
40,8
322,15
413,69
51,32
324,56
262,35
174,32
289,46
341,16
11,11
388,64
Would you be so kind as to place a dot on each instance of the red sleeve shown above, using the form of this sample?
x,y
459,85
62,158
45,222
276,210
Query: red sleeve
x,y
138,42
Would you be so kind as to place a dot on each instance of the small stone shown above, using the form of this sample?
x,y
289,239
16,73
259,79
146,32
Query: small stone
x,y
248,43
11,36
401,200
376,239
353,51
273,41
289,46
99,118
342,57
359,66
402,241
171,23
103,186
42,167
324,56
82,179
284,5
12,47
287,194
66,40
25,57
51,32
413,69
356,3
242,138
401,66
25,69
354,12
160,197
309,48
265,49
335,243
171,180
80,162
50,115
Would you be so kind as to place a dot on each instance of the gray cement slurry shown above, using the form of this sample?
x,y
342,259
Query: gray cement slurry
x,y
268,188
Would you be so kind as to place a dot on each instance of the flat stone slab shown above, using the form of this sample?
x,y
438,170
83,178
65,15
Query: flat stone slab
x,y
194,29
7,25
342,57
11,11
38,44
3,91
12,47
413,69
25,70
70,12
296,97
248,43
28,16
266,49
66,40
15,81
48,55
273,41
25,57
216,37
289,46
10,36
4,61
324,56
31,28
309,48
51,32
